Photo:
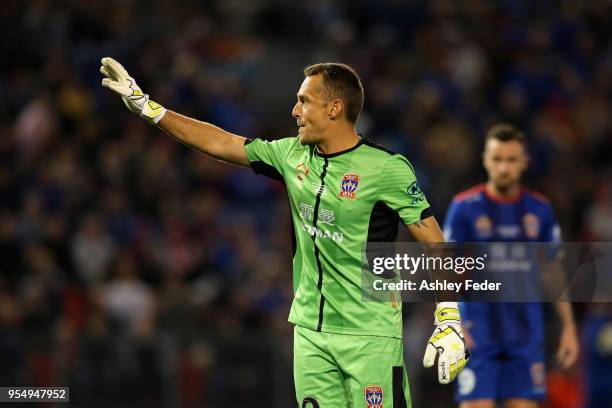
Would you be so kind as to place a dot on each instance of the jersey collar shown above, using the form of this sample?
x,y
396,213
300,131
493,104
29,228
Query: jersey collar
x,y
350,149
504,200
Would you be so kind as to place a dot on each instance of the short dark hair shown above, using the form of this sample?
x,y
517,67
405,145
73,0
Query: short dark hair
x,y
340,81
505,132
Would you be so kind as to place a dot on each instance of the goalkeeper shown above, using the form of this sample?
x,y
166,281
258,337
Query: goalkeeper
x,y
343,191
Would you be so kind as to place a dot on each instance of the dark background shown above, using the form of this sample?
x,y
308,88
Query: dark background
x,y
141,273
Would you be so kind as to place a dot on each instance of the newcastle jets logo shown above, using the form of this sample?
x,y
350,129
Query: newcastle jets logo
x,y
374,396
349,184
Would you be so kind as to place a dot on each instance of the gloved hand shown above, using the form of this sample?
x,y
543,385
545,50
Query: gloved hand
x,y
120,82
447,342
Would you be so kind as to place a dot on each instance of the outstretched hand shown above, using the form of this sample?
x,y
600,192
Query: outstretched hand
x,y
118,80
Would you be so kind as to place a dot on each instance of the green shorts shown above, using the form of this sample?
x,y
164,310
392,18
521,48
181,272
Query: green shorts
x,y
340,370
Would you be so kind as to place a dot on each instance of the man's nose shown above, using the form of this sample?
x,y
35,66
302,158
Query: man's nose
x,y
295,112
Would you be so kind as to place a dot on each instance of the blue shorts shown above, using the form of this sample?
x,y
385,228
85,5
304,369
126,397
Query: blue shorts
x,y
503,372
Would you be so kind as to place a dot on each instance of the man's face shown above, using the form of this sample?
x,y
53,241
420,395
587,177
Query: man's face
x,y
504,162
311,110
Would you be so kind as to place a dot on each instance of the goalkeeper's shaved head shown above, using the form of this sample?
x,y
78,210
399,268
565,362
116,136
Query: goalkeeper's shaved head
x,y
342,82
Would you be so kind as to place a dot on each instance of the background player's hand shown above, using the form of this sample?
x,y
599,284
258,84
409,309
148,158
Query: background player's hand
x,y
447,343
120,82
568,351
467,336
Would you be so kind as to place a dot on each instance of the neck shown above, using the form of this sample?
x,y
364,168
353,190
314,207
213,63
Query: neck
x,y
338,140
504,194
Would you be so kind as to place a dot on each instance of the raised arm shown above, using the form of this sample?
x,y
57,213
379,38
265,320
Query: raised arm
x,y
201,136
206,138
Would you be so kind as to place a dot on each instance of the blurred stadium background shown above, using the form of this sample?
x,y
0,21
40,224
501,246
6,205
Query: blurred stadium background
x,y
142,274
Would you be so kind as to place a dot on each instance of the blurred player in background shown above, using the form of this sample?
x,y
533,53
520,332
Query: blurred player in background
x,y
507,339
343,191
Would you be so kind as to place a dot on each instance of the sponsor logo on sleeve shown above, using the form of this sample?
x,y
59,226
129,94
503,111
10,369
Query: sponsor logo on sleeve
x,y
415,189
416,194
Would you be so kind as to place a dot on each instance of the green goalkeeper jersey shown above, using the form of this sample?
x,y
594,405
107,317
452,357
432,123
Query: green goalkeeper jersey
x,y
339,202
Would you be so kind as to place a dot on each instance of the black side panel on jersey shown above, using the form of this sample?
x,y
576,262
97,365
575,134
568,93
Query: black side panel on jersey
x,y
264,169
383,223
399,399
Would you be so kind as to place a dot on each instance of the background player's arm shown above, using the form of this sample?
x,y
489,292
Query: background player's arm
x,y
567,354
568,350
206,138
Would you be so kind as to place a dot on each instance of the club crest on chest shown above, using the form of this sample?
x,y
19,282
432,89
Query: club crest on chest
x,y
348,185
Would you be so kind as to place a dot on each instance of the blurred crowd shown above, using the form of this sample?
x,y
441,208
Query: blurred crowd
x,y
141,271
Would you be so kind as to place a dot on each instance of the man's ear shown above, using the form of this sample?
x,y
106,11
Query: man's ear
x,y
527,159
335,108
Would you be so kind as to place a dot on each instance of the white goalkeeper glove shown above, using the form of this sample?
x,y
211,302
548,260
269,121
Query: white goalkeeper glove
x,y
447,343
120,82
